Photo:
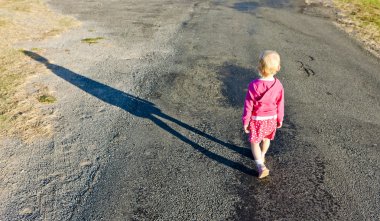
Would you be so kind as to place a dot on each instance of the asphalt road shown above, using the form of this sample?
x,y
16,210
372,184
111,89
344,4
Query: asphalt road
x,y
148,120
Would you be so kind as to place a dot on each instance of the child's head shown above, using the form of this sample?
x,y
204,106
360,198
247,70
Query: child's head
x,y
269,63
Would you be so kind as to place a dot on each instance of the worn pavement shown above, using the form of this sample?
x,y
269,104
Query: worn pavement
x,y
148,120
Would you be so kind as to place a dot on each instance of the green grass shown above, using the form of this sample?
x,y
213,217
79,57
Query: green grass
x,y
92,40
367,11
370,11
46,99
375,3
33,49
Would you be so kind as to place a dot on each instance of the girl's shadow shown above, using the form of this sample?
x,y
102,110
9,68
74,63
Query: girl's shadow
x,y
144,109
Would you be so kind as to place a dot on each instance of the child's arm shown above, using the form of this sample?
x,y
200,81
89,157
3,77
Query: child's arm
x,y
280,108
248,106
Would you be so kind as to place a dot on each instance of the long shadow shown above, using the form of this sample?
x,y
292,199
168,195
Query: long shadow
x,y
144,109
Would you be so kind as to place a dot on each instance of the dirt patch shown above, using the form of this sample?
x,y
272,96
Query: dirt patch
x,y
21,110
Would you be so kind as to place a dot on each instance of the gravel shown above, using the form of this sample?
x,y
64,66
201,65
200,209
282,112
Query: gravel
x,y
148,119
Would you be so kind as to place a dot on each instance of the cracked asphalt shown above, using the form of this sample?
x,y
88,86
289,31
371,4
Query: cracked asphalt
x,y
148,120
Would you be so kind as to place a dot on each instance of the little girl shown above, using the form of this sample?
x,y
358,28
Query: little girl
x,y
264,108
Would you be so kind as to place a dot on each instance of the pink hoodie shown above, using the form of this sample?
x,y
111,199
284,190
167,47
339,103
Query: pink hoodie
x,y
264,98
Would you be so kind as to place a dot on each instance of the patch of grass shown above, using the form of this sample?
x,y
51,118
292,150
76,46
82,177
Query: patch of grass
x,y
18,5
91,40
33,49
367,12
10,76
361,18
8,82
30,20
22,20
46,99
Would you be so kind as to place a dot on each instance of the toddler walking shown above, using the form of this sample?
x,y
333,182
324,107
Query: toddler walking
x,y
264,108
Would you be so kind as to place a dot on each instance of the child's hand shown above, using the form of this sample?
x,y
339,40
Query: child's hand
x,y
245,127
279,124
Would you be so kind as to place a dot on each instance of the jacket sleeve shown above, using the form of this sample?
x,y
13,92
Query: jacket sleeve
x,y
280,106
248,105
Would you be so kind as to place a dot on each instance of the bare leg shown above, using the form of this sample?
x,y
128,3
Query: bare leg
x,y
256,151
257,154
264,147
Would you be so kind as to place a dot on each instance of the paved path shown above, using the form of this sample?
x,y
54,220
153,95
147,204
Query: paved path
x,y
148,120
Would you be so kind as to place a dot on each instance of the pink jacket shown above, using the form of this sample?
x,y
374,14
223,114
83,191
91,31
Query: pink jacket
x,y
264,98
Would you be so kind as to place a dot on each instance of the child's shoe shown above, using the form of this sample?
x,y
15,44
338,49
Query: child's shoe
x,y
263,171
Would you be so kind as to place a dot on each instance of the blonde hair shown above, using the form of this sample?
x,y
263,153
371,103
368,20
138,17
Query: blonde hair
x,y
269,63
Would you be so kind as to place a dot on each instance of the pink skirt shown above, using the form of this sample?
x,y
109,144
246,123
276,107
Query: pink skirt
x,y
260,129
